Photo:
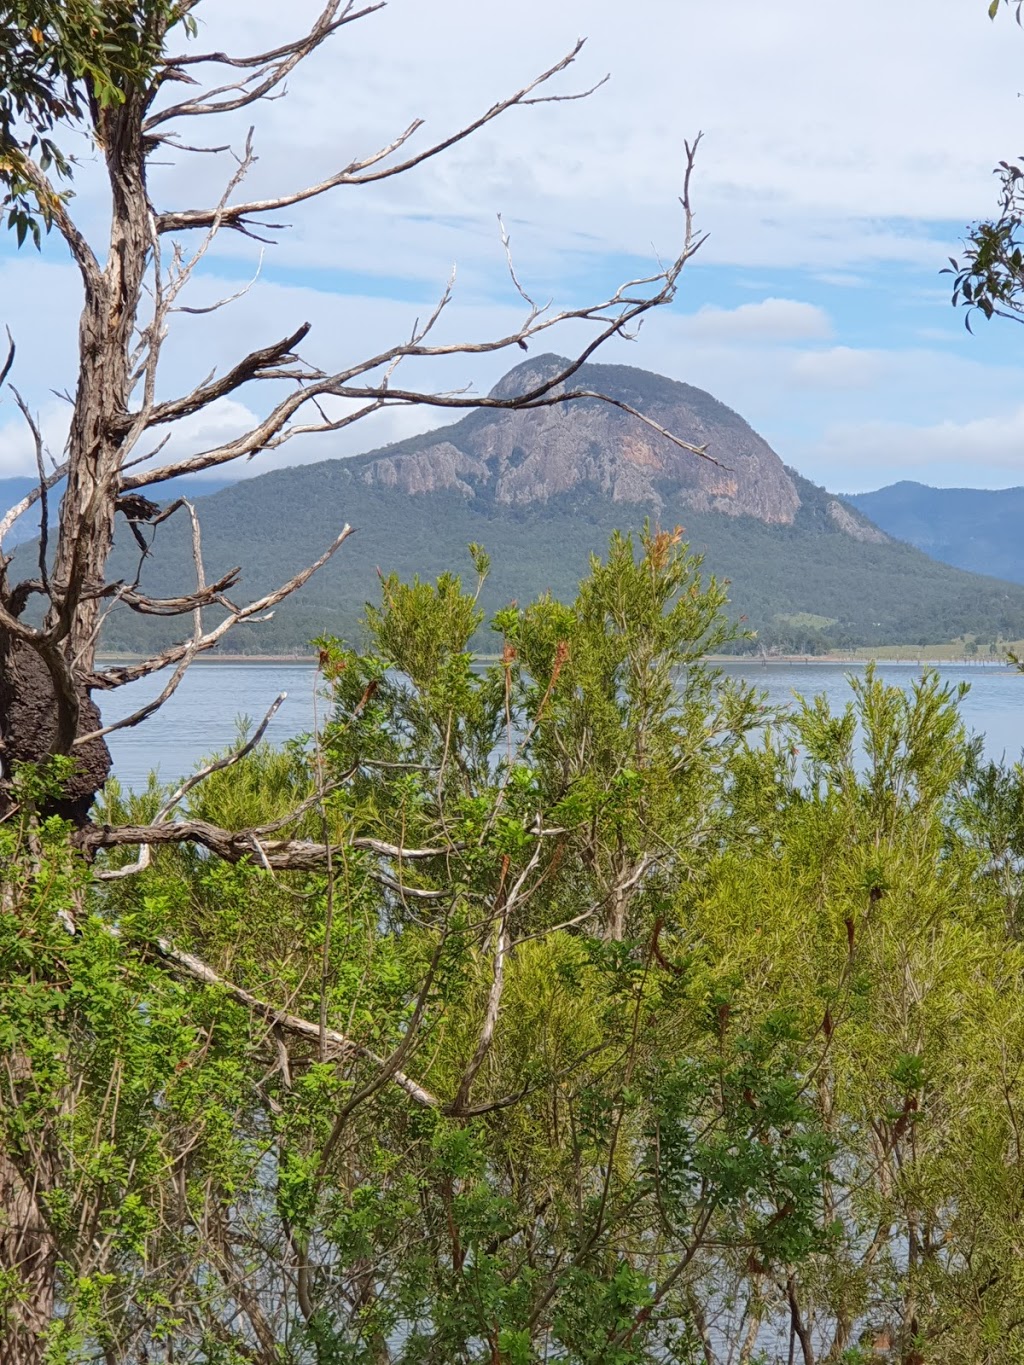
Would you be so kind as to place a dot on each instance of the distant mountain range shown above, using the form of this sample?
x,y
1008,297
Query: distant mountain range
x,y
974,528
541,491
26,528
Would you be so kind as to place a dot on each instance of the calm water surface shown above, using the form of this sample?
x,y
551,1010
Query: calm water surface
x,y
202,716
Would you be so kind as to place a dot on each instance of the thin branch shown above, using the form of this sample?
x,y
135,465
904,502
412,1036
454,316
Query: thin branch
x,y
252,367
361,172
30,498
490,1022
53,209
613,317
271,72
228,298
166,810
258,610
274,54
178,606
44,513
5,369
289,1023
144,712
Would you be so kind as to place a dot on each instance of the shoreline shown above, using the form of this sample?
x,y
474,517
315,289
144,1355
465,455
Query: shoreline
x,y
746,660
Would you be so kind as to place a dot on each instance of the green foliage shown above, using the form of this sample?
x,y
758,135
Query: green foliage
x,y
718,1017
61,65
989,276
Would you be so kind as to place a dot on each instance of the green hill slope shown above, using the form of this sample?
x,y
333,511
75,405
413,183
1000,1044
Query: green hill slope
x,y
860,592
974,528
542,491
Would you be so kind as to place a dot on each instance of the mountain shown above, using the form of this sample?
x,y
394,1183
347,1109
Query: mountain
x,y
973,528
541,491
12,490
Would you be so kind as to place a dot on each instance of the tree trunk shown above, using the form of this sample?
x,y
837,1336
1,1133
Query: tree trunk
x,y
27,1251
28,729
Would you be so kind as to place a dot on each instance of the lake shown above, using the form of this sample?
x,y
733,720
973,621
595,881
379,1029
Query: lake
x,y
201,718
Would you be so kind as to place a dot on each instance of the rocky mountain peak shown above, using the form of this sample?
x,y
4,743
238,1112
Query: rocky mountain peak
x,y
591,447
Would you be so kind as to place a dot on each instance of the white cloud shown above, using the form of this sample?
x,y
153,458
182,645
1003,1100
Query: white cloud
x,y
769,320
800,169
838,367
981,451
17,448
799,166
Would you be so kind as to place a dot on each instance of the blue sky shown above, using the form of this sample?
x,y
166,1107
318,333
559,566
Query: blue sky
x,y
844,152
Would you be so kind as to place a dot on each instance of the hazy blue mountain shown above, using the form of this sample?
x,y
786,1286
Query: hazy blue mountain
x,y
974,528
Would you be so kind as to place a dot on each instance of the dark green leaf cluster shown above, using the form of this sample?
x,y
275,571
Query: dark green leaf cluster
x,y
61,64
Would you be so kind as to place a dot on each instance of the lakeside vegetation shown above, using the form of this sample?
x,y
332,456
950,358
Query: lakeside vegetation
x,y
573,1009
650,1024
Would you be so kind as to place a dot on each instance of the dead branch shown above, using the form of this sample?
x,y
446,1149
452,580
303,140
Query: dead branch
x,y
44,513
217,765
144,712
29,500
178,606
361,172
274,54
6,367
277,428
289,1023
273,68
281,855
118,677
254,366
501,948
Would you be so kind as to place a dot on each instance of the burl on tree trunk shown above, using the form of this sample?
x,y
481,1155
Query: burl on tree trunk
x,y
28,728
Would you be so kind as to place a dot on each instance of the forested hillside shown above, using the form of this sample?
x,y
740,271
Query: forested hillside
x,y
974,528
541,491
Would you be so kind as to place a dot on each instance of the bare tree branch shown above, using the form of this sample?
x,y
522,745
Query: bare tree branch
x,y
254,366
289,1023
19,509
5,369
53,209
274,67
179,606
44,513
117,677
361,172
175,799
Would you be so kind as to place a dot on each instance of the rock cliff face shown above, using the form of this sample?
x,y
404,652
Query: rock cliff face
x,y
521,458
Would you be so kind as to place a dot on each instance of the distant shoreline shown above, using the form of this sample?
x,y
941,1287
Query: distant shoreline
x,y
749,660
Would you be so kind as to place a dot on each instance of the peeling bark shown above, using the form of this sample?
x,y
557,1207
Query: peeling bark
x,y
28,727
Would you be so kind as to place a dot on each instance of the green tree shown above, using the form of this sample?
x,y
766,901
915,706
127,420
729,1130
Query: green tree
x,y
104,74
628,1022
463,1098
988,278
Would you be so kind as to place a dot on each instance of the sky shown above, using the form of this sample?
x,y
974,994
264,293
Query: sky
x,y
845,150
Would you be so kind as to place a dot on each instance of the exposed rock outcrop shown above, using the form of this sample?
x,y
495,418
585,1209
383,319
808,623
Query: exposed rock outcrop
x,y
854,524
519,458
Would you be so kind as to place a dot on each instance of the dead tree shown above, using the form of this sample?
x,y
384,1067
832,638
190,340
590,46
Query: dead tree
x,y
132,285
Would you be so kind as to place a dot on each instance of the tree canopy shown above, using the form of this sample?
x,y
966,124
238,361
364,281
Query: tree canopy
x,y
988,278
627,1022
